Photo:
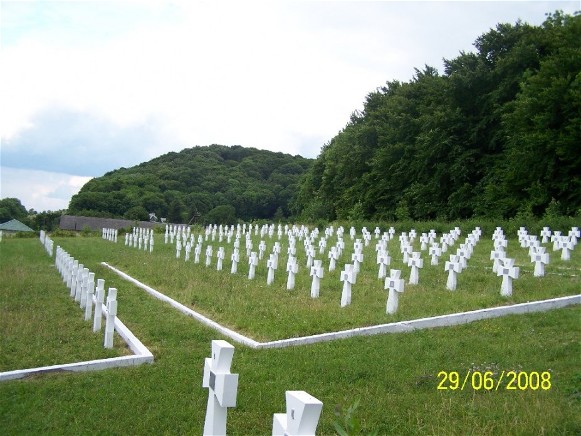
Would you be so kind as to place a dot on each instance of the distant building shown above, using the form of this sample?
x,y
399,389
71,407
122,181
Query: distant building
x,y
78,223
14,226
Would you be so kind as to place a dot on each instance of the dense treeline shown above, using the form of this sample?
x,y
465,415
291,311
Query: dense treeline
x,y
497,135
217,184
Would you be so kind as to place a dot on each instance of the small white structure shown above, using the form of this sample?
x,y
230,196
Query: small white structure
x,y
395,285
333,256
99,299
508,272
220,256
292,268
252,263
235,257
209,252
271,264
435,252
111,314
383,260
454,267
496,256
415,263
348,277
317,273
301,418
89,297
540,259
222,387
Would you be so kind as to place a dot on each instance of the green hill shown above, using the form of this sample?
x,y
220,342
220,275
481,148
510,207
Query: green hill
x,y
220,184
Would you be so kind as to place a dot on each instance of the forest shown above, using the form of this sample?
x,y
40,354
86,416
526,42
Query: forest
x,y
497,135
214,184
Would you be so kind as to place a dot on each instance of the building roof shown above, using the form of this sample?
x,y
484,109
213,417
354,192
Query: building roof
x,y
15,226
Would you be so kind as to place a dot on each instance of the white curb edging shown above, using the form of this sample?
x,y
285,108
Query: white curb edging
x,y
142,355
396,327
184,309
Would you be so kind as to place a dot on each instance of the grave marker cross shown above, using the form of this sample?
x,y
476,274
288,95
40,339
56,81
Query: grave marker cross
x,y
301,417
223,387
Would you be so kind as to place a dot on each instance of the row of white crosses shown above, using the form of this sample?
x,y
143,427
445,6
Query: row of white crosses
x,y
302,409
314,266
502,265
46,242
109,234
428,241
140,238
81,283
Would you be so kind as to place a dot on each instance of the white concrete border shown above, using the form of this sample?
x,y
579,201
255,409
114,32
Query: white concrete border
x,y
141,355
396,327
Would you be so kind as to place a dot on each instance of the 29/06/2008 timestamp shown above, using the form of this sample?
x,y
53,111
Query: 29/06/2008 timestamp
x,y
490,381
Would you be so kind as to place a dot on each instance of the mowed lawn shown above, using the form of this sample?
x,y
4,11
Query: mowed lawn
x,y
395,376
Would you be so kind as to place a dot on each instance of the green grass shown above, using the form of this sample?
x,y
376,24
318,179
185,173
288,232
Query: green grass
x,y
395,376
39,324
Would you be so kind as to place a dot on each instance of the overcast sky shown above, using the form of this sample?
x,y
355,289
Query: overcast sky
x,y
89,87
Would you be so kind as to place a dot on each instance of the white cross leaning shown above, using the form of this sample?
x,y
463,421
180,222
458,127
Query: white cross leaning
x,y
223,387
395,285
508,272
301,417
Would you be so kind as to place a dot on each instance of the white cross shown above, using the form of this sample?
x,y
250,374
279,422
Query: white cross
x,y
111,314
395,285
317,274
301,418
540,260
454,267
235,257
220,256
223,387
332,258
348,277
253,263
415,263
383,260
292,267
271,265
208,255
497,257
357,258
508,272
435,251
565,245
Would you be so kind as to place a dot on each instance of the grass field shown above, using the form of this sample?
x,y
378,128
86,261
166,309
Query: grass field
x,y
394,376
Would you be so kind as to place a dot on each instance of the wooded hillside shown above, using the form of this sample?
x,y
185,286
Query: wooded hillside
x,y
219,183
497,135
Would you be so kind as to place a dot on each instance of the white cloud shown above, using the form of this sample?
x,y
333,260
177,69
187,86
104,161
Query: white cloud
x,y
135,80
40,190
